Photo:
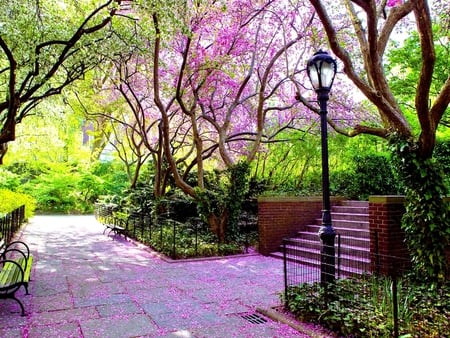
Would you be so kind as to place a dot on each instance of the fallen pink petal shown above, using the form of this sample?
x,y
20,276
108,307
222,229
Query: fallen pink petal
x,y
85,284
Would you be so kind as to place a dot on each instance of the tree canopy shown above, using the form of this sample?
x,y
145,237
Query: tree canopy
x,y
372,24
45,47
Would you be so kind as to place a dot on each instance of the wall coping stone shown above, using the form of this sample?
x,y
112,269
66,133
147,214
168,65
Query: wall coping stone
x,y
393,199
289,198
295,199
388,199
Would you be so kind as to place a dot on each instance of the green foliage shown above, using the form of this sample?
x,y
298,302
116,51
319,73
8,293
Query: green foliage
x,y
359,168
363,307
224,198
12,200
291,165
426,219
56,189
442,156
113,175
210,202
404,71
63,187
369,174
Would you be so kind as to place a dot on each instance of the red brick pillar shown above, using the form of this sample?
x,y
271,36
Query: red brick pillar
x,y
388,249
280,217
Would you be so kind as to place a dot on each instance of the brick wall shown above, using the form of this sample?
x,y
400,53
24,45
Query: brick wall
x,y
280,217
387,239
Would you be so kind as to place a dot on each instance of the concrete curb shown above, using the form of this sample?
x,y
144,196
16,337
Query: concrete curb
x,y
279,317
186,260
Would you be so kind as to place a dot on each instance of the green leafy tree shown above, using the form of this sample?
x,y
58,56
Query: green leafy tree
x,y
44,47
360,39
403,72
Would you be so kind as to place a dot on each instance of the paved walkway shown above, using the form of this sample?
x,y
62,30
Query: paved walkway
x,y
87,285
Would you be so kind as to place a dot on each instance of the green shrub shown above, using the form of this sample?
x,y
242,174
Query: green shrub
x,y
12,200
369,174
9,180
363,307
63,187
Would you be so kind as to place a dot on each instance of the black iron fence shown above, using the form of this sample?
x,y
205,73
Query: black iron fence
x,y
11,222
177,239
357,282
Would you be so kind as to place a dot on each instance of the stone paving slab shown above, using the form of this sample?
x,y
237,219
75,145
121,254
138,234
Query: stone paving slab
x,y
84,284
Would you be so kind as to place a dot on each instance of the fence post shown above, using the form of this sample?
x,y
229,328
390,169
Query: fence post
x,y
395,304
196,238
339,255
2,226
22,214
8,227
174,244
285,274
377,254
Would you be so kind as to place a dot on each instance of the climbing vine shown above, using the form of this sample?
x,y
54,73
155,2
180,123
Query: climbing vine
x,y
426,219
237,190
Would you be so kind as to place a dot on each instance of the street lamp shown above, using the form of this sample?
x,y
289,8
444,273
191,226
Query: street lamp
x,y
321,70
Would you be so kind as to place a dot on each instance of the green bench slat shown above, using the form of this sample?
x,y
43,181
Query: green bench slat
x,y
15,270
10,275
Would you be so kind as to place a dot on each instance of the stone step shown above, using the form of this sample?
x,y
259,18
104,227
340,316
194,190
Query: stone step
x,y
349,217
362,242
348,224
350,209
353,203
349,232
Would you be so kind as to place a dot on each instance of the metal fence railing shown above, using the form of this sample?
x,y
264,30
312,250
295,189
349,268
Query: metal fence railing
x,y
11,222
175,239
354,276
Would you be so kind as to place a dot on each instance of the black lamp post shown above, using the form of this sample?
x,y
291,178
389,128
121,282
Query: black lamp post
x,y
321,70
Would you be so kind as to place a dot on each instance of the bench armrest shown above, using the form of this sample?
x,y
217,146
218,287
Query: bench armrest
x,y
23,257
18,244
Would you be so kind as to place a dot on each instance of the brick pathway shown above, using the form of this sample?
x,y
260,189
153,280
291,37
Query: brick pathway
x,y
84,284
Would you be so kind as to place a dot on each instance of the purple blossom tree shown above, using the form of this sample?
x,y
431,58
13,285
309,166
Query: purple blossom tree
x,y
223,83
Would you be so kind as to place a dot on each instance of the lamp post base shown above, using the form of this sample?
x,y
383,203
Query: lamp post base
x,y
327,236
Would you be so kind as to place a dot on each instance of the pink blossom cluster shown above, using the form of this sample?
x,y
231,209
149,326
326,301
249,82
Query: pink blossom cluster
x,y
233,70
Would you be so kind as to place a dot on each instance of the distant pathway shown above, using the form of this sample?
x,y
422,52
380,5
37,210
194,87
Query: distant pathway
x,y
87,285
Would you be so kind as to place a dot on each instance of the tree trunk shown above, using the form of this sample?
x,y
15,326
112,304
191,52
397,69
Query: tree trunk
x,y
218,225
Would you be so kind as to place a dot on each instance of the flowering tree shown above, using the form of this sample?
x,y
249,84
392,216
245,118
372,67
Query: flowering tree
x,y
360,40
223,84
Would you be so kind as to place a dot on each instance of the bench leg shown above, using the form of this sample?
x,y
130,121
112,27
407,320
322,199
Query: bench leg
x,y
25,285
20,303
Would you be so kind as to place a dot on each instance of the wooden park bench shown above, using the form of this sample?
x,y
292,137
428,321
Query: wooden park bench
x,y
15,265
